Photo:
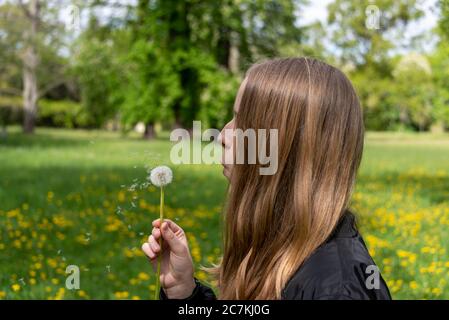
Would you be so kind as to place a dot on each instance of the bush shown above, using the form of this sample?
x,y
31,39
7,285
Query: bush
x,y
10,110
62,113
51,113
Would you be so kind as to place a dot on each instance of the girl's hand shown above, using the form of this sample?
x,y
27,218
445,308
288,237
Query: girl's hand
x,y
177,265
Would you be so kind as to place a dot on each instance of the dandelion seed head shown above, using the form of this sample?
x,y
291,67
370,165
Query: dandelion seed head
x,y
161,176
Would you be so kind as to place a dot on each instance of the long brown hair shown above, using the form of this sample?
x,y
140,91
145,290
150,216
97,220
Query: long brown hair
x,y
273,223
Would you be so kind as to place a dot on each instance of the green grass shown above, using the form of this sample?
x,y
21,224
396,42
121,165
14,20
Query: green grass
x,y
60,191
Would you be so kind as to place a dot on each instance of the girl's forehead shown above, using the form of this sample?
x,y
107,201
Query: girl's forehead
x,y
239,95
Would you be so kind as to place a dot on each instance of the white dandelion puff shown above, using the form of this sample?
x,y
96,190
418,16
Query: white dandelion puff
x,y
161,176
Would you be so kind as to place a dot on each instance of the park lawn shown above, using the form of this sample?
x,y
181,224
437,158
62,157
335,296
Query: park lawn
x,y
80,198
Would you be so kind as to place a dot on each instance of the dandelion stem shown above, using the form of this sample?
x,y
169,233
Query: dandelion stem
x,y
158,274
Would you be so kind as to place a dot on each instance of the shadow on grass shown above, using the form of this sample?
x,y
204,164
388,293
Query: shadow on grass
x,y
190,188
41,140
54,138
95,185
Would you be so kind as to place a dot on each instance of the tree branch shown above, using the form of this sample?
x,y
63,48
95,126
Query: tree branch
x,y
12,91
25,10
52,85
107,3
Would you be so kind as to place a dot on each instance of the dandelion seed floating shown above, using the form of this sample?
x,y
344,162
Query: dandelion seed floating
x,y
160,177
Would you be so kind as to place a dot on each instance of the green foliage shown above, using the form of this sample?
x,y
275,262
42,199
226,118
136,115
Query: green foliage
x,y
151,85
65,114
375,95
52,113
362,45
397,92
48,41
98,72
413,90
218,96
169,63
182,64
440,67
10,110
444,18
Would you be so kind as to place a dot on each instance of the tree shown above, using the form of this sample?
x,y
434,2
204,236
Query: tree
x,y
178,61
364,48
440,65
413,90
30,62
152,87
32,33
361,45
189,48
98,68
443,23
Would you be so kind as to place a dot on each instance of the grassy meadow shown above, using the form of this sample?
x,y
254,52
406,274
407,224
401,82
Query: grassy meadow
x,y
81,198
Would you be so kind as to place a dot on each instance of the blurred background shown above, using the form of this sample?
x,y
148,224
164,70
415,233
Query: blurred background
x,y
90,90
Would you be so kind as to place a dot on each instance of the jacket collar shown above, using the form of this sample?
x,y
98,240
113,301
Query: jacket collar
x,y
346,227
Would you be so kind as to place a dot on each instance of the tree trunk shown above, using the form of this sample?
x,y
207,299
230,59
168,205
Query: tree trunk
x,y
30,63
223,49
404,117
149,131
116,123
234,59
29,98
177,113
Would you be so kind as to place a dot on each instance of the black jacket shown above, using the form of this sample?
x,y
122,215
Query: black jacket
x,y
340,269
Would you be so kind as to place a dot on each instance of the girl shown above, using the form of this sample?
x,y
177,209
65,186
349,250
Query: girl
x,y
288,235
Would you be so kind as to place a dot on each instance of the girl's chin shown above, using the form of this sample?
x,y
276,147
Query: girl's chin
x,y
226,172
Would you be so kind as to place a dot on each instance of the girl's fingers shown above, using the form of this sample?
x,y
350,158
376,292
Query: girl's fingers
x,y
156,232
152,257
153,244
157,223
173,226
148,251
174,242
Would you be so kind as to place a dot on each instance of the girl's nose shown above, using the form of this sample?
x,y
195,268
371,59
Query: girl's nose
x,y
222,139
219,138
